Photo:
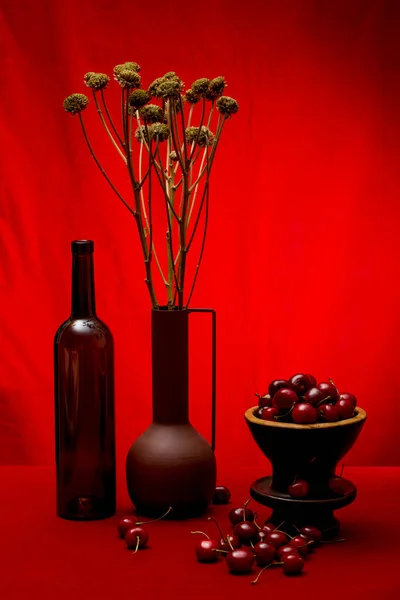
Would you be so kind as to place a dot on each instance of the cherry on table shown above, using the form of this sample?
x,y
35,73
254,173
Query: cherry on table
x,y
206,550
276,385
222,495
299,489
304,413
137,538
246,532
301,544
312,380
293,564
125,524
285,550
268,527
284,399
236,515
277,538
312,533
240,561
264,553
299,383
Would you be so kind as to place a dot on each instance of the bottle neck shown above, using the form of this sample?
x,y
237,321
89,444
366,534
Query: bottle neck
x,y
83,300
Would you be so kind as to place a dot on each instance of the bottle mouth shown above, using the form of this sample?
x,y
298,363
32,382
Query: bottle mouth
x,y
82,246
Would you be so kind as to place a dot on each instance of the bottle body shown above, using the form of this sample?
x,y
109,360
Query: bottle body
x,y
84,405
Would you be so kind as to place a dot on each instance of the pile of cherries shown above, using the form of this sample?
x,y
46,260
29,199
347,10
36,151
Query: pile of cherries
x,y
265,546
302,400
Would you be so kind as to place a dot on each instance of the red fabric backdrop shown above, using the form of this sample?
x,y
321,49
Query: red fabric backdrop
x,y
302,260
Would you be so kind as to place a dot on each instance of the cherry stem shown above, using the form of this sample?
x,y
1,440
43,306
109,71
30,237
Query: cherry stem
x,y
154,520
244,507
277,528
229,541
334,385
272,564
286,414
251,544
223,551
202,532
341,472
296,528
333,541
324,400
137,544
218,527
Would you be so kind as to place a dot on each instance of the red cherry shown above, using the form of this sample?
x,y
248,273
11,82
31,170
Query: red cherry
x,y
137,537
328,390
299,383
304,413
276,385
312,380
268,527
313,396
285,550
340,486
264,553
269,414
293,564
284,399
261,535
246,532
236,515
277,538
329,412
240,560
206,550
312,533
301,544
299,489
345,408
125,524
221,495
264,401
350,397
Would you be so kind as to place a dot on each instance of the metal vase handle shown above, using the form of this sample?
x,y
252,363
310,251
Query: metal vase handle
x,y
214,368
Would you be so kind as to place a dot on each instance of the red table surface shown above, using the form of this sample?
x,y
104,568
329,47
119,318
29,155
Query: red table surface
x,y
50,558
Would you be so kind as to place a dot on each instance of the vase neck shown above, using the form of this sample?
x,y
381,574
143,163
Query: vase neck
x,y
170,364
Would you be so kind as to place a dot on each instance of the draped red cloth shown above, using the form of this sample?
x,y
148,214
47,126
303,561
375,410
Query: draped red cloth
x,y
301,262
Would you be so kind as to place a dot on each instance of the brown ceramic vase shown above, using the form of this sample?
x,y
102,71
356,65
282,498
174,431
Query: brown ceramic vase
x,y
171,464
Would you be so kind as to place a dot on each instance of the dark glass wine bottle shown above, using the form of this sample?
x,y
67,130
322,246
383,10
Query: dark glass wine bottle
x,y
84,401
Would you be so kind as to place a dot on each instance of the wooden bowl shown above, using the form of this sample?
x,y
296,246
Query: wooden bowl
x,y
309,452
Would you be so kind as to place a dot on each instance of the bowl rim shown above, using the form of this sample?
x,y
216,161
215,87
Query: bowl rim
x,y
360,416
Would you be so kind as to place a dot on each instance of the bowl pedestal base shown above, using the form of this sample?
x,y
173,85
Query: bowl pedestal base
x,y
314,511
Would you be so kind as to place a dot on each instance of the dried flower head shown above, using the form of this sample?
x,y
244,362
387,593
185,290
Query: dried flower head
x,y
205,136
128,79
96,81
138,98
169,88
129,66
227,106
75,103
159,132
191,97
153,87
152,113
141,134
173,156
200,86
215,88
